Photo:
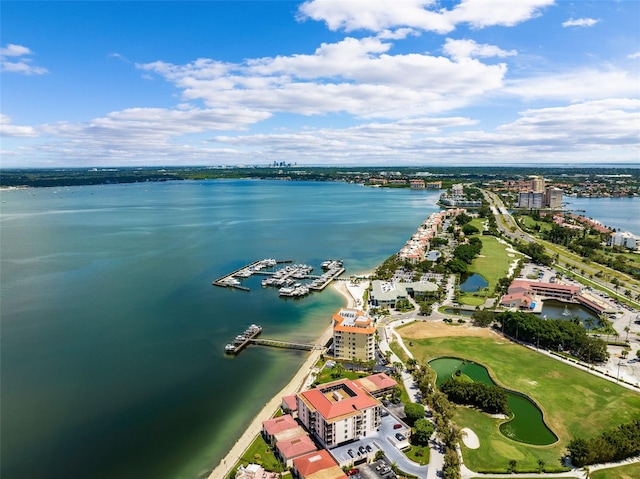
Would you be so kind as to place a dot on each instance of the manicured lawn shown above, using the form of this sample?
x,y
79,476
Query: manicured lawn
x,y
419,454
326,377
258,453
492,264
574,402
630,471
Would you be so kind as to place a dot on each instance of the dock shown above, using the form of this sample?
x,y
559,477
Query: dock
x,y
284,278
242,340
250,336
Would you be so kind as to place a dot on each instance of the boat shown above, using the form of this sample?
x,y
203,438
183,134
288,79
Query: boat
x,y
286,291
230,349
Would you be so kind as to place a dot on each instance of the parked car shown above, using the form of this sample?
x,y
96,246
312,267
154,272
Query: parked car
x,y
400,437
397,426
351,452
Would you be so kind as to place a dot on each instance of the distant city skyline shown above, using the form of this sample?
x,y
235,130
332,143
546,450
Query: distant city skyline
x,y
322,82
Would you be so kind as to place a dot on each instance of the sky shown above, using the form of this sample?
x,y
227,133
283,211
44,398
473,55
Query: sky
x,y
319,82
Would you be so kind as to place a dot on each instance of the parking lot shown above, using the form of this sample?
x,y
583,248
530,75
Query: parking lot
x,y
392,436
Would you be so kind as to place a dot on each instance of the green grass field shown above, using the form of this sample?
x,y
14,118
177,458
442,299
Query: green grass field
x,y
492,264
574,402
630,471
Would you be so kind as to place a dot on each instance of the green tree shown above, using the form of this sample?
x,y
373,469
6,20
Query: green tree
x,y
422,431
413,411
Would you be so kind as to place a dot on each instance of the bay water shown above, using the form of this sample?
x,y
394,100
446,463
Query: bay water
x,y
113,336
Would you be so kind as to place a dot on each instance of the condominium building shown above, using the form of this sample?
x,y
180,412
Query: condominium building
x,y
353,335
553,198
338,412
537,184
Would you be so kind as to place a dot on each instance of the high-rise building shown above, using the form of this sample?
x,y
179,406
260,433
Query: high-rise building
x,y
537,184
353,335
553,197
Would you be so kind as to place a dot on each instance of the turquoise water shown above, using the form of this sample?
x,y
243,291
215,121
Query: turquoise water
x,y
619,213
113,337
473,283
527,424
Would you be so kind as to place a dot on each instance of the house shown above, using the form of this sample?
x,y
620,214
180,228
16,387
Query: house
x,y
317,465
378,385
338,412
288,449
281,428
353,335
289,405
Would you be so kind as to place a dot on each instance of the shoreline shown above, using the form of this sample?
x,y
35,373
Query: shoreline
x,y
295,385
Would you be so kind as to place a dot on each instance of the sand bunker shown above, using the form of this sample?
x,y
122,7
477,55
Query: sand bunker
x,y
470,438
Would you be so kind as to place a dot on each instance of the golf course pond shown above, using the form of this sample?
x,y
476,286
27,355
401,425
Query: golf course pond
x,y
526,424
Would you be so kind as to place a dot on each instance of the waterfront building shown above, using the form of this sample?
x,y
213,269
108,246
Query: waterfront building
x,y
254,471
353,335
288,449
317,465
384,293
416,184
338,412
289,405
553,198
624,239
435,185
529,199
280,429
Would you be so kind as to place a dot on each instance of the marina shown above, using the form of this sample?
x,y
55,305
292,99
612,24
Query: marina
x,y
287,279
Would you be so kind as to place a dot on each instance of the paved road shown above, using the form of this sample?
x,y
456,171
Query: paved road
x,y
506,223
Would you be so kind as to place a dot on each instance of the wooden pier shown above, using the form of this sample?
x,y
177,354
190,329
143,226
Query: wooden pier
x,y
283,344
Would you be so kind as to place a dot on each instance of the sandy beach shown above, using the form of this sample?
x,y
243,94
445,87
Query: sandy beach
x,y
295,385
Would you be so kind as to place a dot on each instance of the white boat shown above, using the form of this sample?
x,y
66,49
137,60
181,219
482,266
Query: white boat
x,y
286,291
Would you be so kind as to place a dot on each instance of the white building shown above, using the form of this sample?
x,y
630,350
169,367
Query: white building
x,y
339,412
624,239
353,335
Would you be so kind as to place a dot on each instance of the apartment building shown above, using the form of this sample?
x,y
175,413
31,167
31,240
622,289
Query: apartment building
x,y
338,412
353,335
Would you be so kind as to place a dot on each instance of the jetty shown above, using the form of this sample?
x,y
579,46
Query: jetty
x,y
241,340
250,336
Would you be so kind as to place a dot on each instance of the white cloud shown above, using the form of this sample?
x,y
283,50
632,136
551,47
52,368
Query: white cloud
x,y
9,130
357,76
427,15
487,13
635,55
576,85
459,49
20,64
12,50
376,15
580,22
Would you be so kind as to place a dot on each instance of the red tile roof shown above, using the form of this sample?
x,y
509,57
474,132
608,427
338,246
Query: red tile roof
x,y
327,403
279,424
318,462
376,382
295,447
290,402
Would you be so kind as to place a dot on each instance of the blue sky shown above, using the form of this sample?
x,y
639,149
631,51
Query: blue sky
x,y
321,82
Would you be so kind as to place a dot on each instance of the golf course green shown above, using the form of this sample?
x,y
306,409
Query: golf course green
x,y
526,423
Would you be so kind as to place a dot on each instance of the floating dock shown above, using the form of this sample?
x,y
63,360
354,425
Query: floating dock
x,y
284,278
241,341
